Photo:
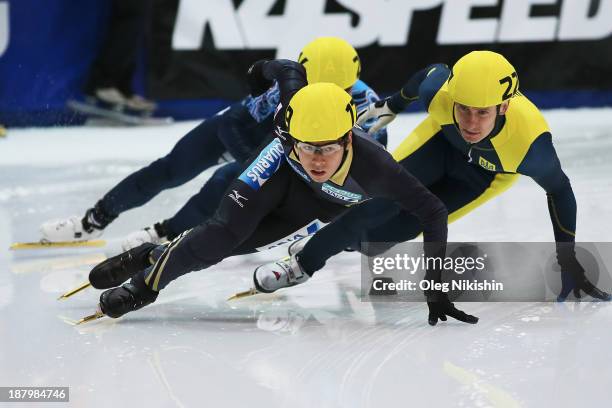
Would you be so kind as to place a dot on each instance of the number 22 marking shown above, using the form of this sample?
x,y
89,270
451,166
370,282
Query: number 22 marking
x,y
509,80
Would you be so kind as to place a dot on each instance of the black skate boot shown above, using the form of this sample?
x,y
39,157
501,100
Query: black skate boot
x,y
116,270
131,296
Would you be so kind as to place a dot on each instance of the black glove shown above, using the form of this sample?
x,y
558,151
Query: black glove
x,y
256,80
573,278
440,307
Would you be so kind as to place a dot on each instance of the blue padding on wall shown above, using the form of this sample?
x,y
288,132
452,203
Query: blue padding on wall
x,y
51,45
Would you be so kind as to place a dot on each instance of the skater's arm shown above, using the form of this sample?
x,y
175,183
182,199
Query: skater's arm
x,y
264,105
415,198
542,165
290,76
422,85
384,177
237,129
363,96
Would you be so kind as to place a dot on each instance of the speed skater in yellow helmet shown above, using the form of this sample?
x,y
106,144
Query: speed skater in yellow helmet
x,y
481,85
319,119
331,59
481,79
320,112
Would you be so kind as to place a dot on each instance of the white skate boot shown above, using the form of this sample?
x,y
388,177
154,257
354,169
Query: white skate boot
x,y
137,238
272,276
67,230
280,274
298,245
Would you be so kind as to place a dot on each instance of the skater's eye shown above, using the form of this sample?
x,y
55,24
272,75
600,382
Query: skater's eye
x,y
325,150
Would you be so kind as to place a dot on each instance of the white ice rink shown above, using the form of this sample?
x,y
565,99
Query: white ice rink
x,y
315,345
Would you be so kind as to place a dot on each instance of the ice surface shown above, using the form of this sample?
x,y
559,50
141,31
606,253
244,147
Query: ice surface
x,y
312,345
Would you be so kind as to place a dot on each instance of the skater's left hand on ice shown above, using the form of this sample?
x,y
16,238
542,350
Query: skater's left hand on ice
x,y
574,279
440,307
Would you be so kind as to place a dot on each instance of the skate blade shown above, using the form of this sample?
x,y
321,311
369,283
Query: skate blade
x,y
68,244
90,318
73,291
241,295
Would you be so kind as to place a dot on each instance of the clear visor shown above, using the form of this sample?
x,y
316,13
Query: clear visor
x,y
325,150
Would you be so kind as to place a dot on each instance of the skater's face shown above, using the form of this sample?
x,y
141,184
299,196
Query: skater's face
x,y
322,160
477,123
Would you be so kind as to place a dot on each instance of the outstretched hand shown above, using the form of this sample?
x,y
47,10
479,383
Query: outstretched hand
x,y
574,280
440,307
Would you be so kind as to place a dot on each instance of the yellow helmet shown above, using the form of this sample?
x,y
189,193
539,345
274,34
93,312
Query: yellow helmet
x,y
481,79
331,59
320,112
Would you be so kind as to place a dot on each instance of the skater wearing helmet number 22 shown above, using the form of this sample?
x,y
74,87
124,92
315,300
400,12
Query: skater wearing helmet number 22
x,y
480,134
